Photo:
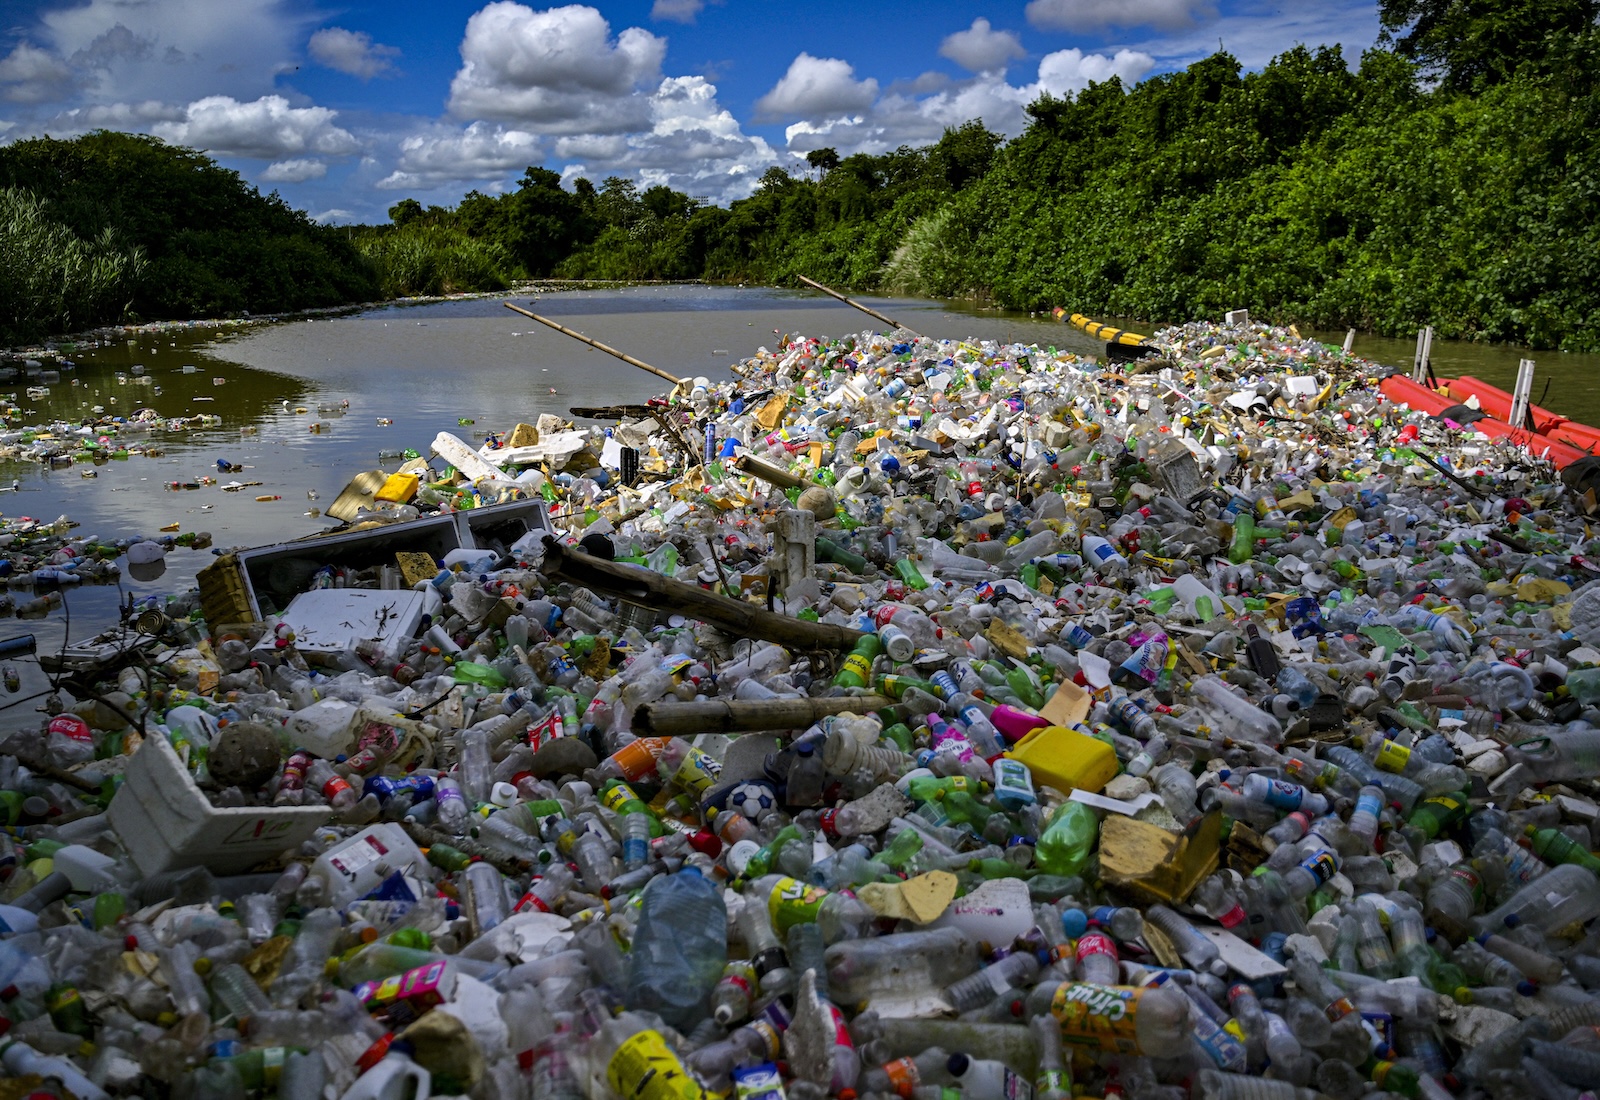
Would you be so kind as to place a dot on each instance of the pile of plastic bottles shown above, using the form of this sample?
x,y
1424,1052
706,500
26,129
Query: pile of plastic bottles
x,y
1212,742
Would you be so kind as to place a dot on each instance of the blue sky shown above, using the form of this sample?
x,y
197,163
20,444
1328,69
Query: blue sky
x,y
347,108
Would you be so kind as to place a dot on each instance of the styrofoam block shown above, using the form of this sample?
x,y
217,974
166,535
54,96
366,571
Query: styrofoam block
x,y
329,622
166,822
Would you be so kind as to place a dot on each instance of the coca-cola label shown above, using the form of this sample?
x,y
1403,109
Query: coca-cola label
x,y
70,726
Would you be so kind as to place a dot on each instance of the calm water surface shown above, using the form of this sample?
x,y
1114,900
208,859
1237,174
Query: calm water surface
x,y
426,367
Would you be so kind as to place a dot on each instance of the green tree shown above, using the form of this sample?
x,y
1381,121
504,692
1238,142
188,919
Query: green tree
x,y
823,160
1470,44
404,212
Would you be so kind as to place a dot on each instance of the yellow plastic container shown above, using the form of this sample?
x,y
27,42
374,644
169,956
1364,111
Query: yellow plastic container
x,y
1064,759
398,489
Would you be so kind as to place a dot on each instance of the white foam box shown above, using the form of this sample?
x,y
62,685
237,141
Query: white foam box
x,y
329,622
167,823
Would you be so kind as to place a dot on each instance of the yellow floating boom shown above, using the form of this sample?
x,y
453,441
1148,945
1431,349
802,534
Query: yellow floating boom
x,y
1099,331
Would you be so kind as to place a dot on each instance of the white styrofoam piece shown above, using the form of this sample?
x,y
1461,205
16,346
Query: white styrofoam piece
x,y
1129,806
166,822
1241,958
465,459
557,447
328,622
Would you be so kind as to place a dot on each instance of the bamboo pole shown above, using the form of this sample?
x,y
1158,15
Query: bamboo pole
x,y
783,479
890,321
597,345
747,715
643,586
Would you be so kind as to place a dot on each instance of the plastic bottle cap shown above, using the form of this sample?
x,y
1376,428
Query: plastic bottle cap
x,y
1074,922
957,1064
1512,920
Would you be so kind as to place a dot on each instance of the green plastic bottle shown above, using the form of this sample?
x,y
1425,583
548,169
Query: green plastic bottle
x,y
766,858
856,671
996,868
1021,681
908,571
1554,846
471,672
1439,813
830,551
962,808
907,843
1244,539
1068,840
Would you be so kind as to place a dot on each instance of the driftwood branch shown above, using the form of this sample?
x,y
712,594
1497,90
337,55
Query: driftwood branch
x,y
643,586
747,716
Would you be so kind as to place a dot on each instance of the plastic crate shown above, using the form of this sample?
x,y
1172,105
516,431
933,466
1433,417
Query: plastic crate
x,y
223,596
167,823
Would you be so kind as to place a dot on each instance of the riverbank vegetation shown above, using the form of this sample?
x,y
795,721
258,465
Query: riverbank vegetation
x,y
113,226
1446,178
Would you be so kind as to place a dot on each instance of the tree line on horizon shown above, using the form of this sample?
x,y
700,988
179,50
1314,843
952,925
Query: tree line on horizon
x,y
1447,180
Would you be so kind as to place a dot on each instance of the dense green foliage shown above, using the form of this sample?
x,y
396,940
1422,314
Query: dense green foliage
x,y
210,244
1448,180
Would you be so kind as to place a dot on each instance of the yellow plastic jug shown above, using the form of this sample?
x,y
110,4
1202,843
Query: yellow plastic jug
x,y
1064,759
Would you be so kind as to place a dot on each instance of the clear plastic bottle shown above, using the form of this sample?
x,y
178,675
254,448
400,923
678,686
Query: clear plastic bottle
x,y
1052,1079
976,990
766,953
332,786
1194,948
1568,894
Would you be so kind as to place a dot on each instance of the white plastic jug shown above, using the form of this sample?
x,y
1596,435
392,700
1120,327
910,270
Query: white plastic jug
x,y
323,729
89,871
356,866
395,1078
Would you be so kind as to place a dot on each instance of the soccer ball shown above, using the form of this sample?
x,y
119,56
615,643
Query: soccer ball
x,y
752,799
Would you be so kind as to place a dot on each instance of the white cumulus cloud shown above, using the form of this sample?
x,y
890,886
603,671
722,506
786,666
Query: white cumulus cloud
x,y
113,116
900,119
907,115
817,86
175,50
556,71
1067,71
1081,15
981,49
31,75
268,128
481,151
677,11
694,145
352,52
295,171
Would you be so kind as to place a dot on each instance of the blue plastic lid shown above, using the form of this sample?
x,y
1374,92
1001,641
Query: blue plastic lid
x,y
1074,922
